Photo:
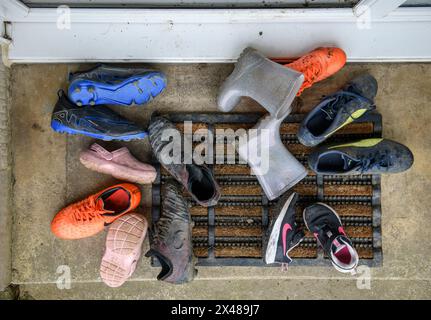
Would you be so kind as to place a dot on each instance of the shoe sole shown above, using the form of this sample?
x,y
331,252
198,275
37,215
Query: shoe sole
x,y
123,249
271,249
134,90
119,172
59,127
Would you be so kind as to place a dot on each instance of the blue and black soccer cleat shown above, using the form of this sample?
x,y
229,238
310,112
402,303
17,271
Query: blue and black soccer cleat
x,y
115,85
98,122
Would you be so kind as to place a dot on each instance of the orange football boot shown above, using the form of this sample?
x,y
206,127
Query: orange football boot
x,y
317,65
89,216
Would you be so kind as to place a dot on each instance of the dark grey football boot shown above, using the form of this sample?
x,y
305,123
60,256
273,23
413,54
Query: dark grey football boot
x,y
171,238
283,232
368,156
106,84
97,122
272,85
325,224
338,110
198,180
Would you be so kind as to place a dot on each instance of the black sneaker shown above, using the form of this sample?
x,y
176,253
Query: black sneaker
x,y
326,226
284,234
338,110
198,180
368,156
171,238
97,122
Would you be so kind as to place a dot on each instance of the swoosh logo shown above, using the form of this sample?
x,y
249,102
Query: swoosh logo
x,y
286,228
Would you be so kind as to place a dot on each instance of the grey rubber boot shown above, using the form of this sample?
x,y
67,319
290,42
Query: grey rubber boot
x,y
276,169
272,85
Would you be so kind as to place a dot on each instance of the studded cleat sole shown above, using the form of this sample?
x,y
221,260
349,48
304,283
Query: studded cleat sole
x,y
58,127
139,89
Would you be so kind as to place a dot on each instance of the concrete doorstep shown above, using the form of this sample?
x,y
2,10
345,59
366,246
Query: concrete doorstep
x,y
5,182
47,176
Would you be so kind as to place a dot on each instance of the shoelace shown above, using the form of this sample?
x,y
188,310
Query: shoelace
x,y
379,160
339,101
311,73
323,233
87,210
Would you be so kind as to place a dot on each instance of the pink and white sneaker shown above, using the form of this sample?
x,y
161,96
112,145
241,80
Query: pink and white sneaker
x,y
123,249
120,164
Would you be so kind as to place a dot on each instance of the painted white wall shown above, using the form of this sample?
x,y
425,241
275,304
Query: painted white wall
x,y
213,35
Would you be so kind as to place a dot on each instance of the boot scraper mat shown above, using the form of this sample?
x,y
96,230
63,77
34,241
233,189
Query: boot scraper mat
x,y
230,234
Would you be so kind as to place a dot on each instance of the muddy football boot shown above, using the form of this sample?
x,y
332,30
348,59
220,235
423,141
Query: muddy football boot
x,y
171,240
115,85
368,156
318,65
97,122
198,180
263,80
123,249
338,110
276,169
284,233
326,226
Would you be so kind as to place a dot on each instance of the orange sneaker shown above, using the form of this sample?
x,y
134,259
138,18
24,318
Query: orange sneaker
x,y
89,216
317,65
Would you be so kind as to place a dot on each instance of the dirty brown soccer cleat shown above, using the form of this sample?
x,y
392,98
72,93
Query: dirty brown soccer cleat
x,y
172,238
198,180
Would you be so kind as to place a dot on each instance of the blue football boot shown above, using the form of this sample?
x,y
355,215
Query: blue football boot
x,y
98,122
115,85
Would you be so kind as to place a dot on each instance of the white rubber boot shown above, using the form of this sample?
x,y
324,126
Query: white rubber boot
x,y
274,166
271,84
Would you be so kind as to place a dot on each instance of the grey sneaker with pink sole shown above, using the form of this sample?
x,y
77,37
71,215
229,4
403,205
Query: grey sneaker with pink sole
x,y
123,249
120,164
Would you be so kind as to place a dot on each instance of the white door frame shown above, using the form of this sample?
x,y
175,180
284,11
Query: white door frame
x,y
376,8
372,31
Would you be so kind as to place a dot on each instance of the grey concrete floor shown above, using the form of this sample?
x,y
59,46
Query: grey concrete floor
x,y
48,175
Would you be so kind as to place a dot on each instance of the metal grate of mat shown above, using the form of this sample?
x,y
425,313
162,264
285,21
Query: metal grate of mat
x,y
230,234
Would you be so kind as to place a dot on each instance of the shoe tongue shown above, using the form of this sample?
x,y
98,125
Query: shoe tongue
x,y
338,244
349,163
100,205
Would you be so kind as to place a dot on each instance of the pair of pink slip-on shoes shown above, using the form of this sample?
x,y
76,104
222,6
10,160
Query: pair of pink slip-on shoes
x,y
126,234
120,164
